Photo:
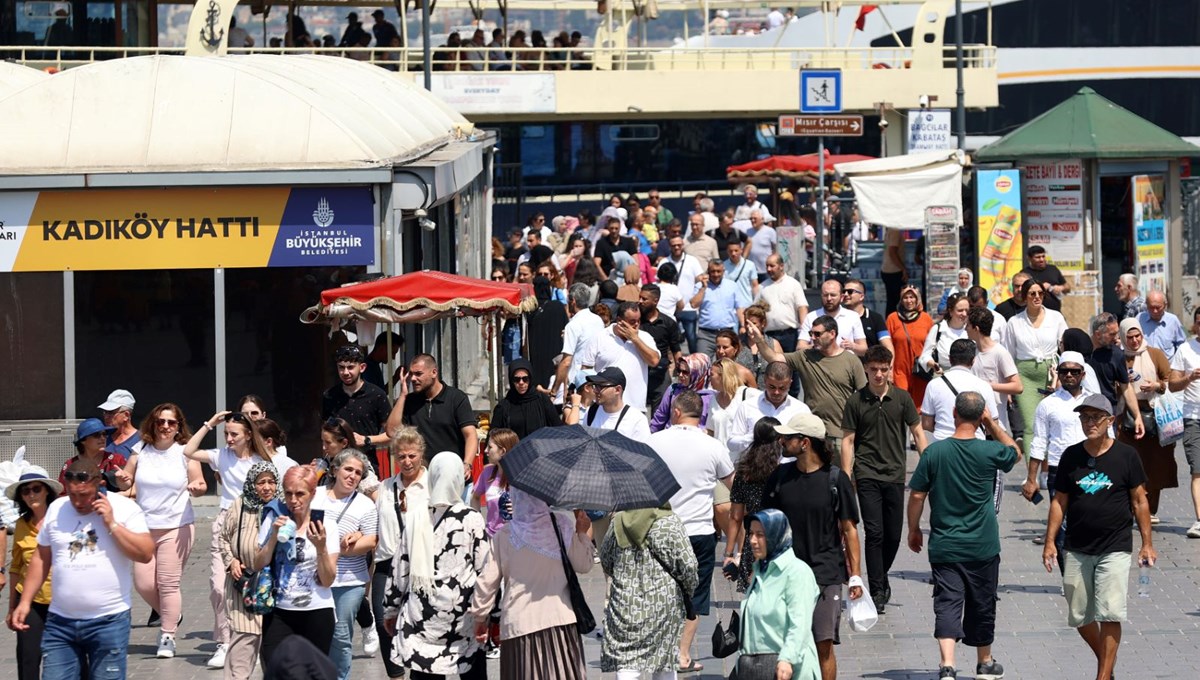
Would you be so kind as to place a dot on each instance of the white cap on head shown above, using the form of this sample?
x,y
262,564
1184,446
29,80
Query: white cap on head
x,y
1072,358
118,399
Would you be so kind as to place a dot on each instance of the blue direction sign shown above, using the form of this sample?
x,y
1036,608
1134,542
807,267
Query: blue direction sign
x,y
821,91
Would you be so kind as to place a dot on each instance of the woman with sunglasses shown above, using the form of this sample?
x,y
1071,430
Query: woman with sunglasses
x,y
165,480
692,372
303,555
524,409
407,488
1032,340
33,493
909,325
935,354
90,440
243,448
238,544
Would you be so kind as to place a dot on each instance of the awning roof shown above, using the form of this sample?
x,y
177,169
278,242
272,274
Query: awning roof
x,y
1087,126
179,114
895,191
417,297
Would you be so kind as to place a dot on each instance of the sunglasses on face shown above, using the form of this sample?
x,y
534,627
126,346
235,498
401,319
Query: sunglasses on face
x,y
166,422
1034,293
520,378
852,291
32,489
1070,371
80,477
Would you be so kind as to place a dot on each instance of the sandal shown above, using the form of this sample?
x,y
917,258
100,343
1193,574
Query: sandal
x,y
692,667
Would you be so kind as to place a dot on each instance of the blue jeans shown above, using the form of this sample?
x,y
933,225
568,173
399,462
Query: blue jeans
x,y
687,321
100,644
346,600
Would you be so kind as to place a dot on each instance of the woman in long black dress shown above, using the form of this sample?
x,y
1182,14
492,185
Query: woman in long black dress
x,y
749,478
545,326
523,409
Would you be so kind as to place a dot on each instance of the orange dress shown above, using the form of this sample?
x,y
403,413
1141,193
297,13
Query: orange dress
x,y
909,340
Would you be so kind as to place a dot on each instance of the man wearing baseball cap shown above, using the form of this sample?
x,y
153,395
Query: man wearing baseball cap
x,y
818,500
354,31
1099,482
609,411
384,30
118,414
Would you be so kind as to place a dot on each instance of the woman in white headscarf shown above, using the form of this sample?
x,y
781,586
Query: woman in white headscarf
x,y
537,622
1149,370
433,577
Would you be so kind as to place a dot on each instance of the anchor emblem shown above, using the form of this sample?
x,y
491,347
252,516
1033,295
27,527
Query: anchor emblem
x,y
210,34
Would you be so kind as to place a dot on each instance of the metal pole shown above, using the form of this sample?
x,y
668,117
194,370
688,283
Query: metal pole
x,y
426,50
819,241
960,112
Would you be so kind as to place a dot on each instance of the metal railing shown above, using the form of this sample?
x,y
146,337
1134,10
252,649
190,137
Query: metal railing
x,y
539,60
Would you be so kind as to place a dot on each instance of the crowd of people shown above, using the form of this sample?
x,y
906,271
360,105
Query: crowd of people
x,y
787,429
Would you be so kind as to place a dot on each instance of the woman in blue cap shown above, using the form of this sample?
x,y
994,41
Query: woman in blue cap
x,y
90,439
778,609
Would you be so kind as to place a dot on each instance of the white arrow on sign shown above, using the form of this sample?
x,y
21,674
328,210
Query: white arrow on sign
x,y
854,126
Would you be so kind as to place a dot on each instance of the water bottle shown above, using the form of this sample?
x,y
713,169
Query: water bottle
x,y
1143,579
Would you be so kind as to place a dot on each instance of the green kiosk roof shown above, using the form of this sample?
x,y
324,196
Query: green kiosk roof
x,y
1087,126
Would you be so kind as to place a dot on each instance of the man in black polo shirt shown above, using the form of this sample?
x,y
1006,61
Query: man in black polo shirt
x,y
1108,361
854,297
726,233
611,243
363,405
873,452
668,338
1049,276
441,413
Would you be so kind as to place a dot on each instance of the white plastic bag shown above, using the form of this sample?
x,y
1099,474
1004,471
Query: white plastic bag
x,y
862,611
1168,413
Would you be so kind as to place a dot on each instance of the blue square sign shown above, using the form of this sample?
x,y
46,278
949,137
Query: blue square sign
x,y
821,91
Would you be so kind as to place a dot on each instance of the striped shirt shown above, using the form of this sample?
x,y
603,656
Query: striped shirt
x,y
355,512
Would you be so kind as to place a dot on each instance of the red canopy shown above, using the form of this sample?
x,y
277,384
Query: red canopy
x,y
788,167
419,297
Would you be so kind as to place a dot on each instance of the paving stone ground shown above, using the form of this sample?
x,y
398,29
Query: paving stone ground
x,y
1032,639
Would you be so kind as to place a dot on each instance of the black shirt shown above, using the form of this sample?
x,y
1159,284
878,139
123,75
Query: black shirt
x,y
366,410
873,324
440,420
1009,308
668,338
879,432
807,501
1050,276
735,236
1098,503
605,249
384,32
1111,371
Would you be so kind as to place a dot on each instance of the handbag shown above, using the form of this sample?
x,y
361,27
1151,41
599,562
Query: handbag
x,y
258,591
1148,422
756,667
726,640
918,370
584,621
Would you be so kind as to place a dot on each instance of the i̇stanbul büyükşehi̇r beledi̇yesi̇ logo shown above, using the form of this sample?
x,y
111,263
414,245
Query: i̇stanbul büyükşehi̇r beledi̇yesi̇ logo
x,y
323,215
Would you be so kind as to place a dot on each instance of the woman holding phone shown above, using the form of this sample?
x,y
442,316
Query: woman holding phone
x,y
302,549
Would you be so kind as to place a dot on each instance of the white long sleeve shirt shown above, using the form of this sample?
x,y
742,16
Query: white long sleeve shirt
x,y
747,414
1056,426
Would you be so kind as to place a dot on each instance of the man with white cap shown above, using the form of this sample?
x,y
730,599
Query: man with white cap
x,y
1099,482
818,500
118,414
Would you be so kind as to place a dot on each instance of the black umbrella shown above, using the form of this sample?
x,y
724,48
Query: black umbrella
x,y
579,467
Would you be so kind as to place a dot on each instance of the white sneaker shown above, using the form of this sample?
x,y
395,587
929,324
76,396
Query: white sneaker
x,y
217,660
493,652
370,641
166,647
1194,531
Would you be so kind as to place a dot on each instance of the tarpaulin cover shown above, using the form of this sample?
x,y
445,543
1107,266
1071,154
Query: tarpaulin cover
x,y
894,191
421,296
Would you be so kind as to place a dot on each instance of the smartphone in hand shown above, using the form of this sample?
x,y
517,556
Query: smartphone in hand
x,y
316,515
1036,497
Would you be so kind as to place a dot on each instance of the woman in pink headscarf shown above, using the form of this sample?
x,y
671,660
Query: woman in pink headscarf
x,y
691,373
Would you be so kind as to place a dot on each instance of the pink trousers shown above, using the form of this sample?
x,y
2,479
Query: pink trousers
x,y
158,580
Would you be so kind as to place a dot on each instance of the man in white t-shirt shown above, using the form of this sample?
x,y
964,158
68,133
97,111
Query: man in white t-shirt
x,y
850,328
609,412
627,347
698,462
937,410
994,364
789,306
583,327
87,545
1185,377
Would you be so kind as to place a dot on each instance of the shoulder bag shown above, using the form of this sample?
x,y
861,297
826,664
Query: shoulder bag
x,y
919,370
257,588
584,621
727,639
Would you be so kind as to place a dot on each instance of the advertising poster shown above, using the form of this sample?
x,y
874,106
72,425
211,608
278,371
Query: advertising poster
x,y
98,229
1054,210
790,248
1150,233
941,250
998,211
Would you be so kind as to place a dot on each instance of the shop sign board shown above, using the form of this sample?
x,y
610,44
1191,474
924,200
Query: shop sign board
x,y
186,228
1150,233
998,218
1054,210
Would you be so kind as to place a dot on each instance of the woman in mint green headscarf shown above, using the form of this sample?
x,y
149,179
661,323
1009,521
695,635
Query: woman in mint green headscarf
x,y
647,555
778,609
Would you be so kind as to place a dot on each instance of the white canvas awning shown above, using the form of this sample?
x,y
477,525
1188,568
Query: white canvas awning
x,y
895,191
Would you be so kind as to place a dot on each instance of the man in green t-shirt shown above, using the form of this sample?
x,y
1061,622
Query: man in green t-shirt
x,y
829,374
958,475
